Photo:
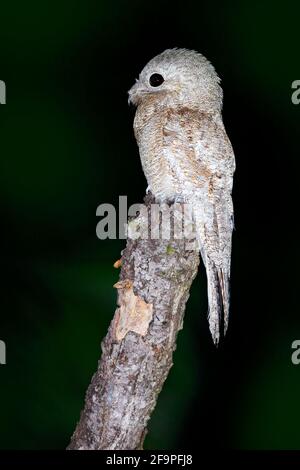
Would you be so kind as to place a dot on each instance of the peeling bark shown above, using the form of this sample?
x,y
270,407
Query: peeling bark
x,y
154,285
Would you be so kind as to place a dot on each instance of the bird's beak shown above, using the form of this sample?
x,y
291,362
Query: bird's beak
x,y
133,94
136,93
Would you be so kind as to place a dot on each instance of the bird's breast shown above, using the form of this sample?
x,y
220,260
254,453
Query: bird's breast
x,y
156,157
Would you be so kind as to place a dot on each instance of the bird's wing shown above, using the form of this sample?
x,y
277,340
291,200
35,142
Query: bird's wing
x,y
204,163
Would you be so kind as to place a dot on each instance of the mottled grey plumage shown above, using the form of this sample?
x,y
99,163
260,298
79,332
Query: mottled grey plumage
x,y
186,155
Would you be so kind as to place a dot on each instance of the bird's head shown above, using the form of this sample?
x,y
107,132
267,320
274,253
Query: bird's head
x,y
179,77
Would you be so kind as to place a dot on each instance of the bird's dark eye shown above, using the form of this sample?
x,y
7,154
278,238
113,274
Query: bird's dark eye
x,y
156,79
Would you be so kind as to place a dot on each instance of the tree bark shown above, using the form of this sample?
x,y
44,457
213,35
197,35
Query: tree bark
x,y
137,351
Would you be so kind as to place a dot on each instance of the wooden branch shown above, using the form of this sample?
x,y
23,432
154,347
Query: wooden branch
x,y
154,286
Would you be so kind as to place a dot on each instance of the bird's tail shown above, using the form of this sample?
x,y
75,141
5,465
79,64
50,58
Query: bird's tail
x,y
216,255
218,300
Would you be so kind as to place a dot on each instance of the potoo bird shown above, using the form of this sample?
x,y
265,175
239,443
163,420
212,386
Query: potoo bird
x,y
186,156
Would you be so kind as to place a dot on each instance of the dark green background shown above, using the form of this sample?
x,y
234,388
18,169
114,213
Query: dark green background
x,y
67,146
